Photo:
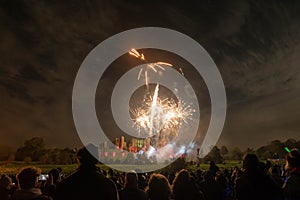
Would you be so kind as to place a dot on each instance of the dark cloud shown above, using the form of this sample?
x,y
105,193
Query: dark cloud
x,y
255,44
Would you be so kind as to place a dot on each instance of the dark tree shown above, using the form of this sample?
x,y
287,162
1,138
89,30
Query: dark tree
x,y
291,143
273,149
236,154
224,150
249,150
214,155
33,148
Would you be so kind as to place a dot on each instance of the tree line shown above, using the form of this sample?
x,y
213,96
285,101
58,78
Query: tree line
x,y
273,150
34,150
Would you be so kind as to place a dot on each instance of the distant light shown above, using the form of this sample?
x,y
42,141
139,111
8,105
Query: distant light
x,y
140,152
287,149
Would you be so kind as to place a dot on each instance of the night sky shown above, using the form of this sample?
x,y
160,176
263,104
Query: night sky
x,y
255,44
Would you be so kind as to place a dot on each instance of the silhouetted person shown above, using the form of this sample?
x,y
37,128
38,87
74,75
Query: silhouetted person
x,y
268,166
276,175
158,187
6,187
263,168
222,181
210,188
213,168
52,182
87,182
28,185
292,184
142,183
183,188
113,177
254,183
131,190
236,172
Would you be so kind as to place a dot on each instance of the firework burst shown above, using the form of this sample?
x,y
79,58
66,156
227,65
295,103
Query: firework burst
x,y
158,118
161,115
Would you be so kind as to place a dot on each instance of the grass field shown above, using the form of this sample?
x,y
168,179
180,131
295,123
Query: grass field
x,y
14,167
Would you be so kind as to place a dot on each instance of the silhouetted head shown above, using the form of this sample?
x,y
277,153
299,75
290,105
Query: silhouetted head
x,y
263,167
131,179
182,180
5,181
55,174
88,155
275,170
158,187
212,163
293,158
28,177
183,176
250,162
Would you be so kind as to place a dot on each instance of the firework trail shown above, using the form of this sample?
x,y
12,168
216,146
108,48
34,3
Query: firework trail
x,y
153,108
150,66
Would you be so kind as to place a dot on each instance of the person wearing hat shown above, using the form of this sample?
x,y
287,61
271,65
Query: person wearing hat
x,y
292,184
87,182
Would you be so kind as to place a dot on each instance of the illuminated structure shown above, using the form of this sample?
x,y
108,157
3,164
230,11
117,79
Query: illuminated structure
x,y
117,143
122,142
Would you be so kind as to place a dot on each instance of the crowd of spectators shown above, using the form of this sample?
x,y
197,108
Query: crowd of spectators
x,y
255,180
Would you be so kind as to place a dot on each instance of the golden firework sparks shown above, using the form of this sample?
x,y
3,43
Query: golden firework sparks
x,y
156,115
149,66
161,114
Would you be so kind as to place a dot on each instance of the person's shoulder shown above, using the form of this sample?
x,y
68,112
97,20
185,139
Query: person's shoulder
x,y
67,183
43,197
106,180
102,181
69,178
141,192
294,179
127,193
241,181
